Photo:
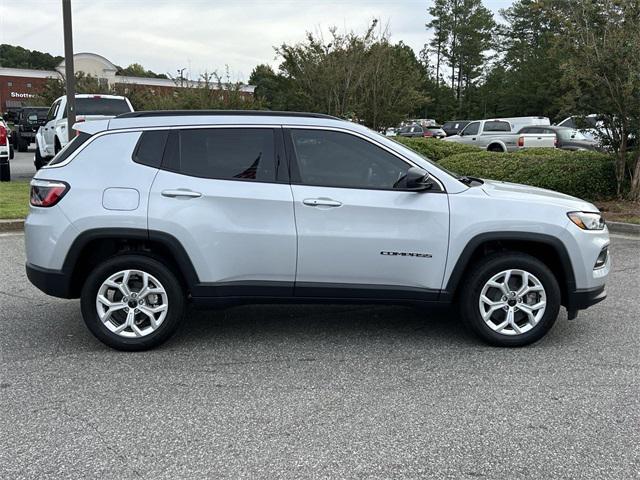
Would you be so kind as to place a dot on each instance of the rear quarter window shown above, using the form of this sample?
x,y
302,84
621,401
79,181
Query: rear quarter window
x,y
70,148
150,148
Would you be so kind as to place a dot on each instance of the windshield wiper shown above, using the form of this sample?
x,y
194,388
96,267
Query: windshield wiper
x,y
469,180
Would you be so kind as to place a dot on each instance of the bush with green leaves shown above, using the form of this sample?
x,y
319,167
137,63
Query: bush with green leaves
x,y
588,175
435,149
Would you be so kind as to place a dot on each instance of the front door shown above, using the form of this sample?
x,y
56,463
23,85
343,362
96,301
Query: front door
x,y
358,236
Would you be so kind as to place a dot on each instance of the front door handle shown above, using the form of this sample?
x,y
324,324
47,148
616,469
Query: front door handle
x,y
321,202
180,193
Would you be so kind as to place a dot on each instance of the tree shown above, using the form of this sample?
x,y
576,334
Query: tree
x,y
360,77
18,57
603,74
137,70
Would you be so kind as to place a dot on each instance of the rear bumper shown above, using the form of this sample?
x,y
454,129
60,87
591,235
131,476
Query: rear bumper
x,y
581,299
52,282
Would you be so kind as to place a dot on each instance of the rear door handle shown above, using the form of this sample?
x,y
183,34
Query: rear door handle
x,y
321,202
180,193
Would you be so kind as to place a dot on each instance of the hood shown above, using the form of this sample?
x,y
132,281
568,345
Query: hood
x,y
451,138
516,191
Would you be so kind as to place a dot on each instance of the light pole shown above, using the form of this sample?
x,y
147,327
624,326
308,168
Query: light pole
x,y
180,72
68,66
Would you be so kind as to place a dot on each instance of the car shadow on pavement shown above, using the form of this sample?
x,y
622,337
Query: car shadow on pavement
x,y
330,323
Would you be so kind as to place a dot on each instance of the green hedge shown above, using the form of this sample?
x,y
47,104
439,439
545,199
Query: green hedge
x,y
587,175
435,149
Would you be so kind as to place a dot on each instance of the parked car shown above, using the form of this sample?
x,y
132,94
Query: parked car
x,y
53,136
519,122
147,212
496,136
391,132
27,120
454,127
425,122
420,131
566,138
6,151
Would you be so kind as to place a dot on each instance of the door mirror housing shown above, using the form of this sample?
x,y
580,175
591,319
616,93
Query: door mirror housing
x,y
417,179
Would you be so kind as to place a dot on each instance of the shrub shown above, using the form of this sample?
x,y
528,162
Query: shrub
x,y
435,149
581,174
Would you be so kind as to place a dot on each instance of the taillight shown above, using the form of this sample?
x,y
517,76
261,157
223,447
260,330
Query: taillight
x,y
3,135
521,141
428,133
555,142
46,193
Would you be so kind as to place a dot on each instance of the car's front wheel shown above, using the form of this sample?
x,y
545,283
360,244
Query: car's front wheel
x,y
132,302
510,299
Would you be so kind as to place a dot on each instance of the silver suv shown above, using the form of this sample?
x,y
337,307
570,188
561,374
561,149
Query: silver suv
x,y
148,212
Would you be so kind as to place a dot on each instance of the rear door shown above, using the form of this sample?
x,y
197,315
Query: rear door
x,y
223,193
358,235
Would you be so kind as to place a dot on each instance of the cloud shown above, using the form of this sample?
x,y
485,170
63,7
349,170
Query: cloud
x,y
164,35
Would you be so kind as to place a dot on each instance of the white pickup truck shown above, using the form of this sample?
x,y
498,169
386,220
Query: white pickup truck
x,y
497,136
53,135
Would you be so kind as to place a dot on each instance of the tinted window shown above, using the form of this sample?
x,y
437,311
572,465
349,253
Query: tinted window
x,y
497,126
228,153
69,148
101,106
335,159
472,128
151,148
53,110
569,122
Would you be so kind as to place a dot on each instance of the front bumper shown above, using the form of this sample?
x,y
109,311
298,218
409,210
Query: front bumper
x,y
581,299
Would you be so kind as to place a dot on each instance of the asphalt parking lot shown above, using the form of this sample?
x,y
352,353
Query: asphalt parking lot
x,y
22,164
319,392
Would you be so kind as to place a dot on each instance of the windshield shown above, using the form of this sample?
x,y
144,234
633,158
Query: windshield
x,y
101,106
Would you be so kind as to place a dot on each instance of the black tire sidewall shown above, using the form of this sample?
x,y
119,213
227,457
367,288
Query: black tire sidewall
x,y
144,263
492,265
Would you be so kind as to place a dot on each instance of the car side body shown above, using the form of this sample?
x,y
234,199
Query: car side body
x,y
291,225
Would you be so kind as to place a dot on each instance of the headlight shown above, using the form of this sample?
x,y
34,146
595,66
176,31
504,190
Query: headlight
x,y
587,220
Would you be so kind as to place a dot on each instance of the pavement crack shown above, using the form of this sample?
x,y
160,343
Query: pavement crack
x,y
103,440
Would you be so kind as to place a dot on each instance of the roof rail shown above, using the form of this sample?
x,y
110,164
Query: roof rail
x,y
255,113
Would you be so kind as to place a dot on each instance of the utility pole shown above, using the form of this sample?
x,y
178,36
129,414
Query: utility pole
x,y
68,66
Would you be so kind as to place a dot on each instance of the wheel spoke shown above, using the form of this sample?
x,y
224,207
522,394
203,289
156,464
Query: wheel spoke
x,y
512,322
498,328
532,318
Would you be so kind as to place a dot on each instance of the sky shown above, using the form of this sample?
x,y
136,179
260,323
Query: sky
x,y
203,35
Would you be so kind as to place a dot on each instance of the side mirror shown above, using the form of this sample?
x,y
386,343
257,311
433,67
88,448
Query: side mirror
x,y
417,179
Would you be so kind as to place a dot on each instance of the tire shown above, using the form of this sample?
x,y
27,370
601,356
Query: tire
x,y
132,322
56,146
38,160
495,148
22,145
528,328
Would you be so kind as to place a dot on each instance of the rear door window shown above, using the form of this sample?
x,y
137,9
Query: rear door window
x,y
228,153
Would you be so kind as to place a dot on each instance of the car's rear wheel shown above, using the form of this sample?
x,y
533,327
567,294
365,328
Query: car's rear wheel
x,y
132,302
22,144
510,299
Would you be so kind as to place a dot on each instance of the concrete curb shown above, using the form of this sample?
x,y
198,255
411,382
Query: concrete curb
x,y
11,225
624,228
